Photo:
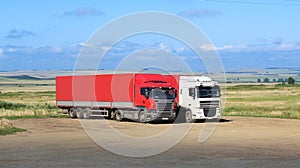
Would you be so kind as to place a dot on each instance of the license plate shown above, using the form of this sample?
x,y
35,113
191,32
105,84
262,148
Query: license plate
x,y
165,118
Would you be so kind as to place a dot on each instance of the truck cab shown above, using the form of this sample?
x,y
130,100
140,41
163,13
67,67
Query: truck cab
x,y
156,101
199,97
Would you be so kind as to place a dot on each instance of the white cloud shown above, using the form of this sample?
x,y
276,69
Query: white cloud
x,y
1,53
179,50
162,46
11,49
105,48
211,47
256,48
81,44
208,47
226,47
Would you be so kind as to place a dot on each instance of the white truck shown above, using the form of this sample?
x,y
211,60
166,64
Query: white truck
x,y
198,97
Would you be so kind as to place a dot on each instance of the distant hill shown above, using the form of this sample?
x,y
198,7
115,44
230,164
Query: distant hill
x,y
27,77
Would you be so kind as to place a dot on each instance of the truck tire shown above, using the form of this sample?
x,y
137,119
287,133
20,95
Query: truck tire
x,y
72,113
118,115
142,116
79,113
86,113
188,116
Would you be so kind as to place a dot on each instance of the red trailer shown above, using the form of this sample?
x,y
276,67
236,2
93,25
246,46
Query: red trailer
x,y
142,97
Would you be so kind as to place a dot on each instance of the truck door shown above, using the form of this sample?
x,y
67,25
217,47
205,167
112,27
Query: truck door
x,y
189,98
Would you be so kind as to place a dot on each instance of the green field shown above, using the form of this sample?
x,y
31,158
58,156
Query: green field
x,y
36,98
272,100
27,98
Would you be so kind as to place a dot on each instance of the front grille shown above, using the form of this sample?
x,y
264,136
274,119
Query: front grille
x,y
209,104
164,106
165,114
209,112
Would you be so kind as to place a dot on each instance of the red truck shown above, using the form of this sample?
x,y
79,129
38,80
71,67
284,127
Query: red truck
x,y
141,97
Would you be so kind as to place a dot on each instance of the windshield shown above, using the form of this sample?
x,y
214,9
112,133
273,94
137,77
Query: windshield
x,y
207,92
158,93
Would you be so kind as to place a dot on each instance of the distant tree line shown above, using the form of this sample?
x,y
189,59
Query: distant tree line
x,y
289,80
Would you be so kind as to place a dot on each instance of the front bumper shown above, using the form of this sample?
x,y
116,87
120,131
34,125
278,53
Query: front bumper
x,y
209,113
154,115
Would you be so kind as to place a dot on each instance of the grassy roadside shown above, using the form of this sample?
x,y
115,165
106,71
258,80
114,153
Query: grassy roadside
x,y
7,131
28,104
280,101
6,127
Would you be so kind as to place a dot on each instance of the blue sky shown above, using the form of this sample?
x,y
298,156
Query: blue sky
x,y
247,34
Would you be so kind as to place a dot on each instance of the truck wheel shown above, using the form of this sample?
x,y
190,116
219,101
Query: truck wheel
x,y
142,117
86,113
72,113
79,113
188,116
118,116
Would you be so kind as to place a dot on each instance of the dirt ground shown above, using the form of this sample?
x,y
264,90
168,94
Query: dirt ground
x,y
236,142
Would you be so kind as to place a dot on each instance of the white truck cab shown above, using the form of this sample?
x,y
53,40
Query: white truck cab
x,y
199,97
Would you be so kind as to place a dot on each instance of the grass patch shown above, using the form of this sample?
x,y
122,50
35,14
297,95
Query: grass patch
x,y
6,127
261,87
265,98
263,111
23,94
280,101
20,106
6,131
14,117
248,87
37,108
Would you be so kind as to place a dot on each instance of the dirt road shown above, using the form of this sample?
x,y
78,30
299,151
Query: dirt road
x,y
238,142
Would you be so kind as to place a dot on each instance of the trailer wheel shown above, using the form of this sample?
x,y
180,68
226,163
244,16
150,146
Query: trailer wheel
x,y
118,115
72,113
86,113
142,116
79,113
188,116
